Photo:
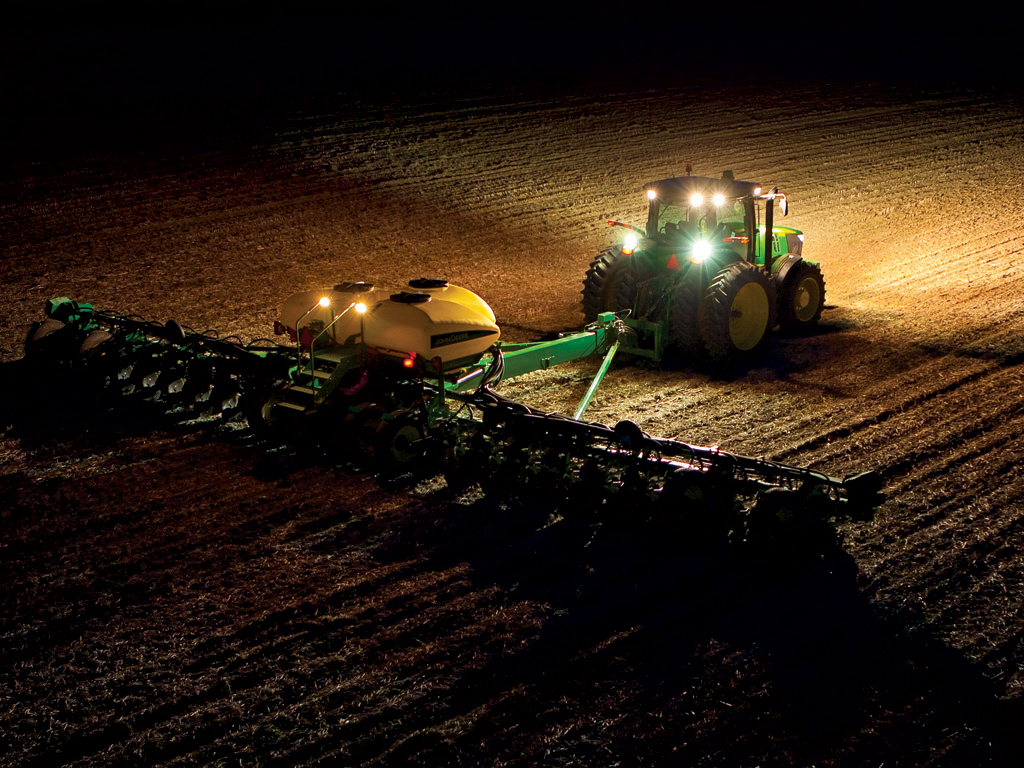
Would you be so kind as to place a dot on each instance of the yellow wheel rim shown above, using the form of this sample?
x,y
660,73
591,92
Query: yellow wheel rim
x,y
806,299
748,319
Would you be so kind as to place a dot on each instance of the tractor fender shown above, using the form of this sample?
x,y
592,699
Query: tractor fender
x,y
782,266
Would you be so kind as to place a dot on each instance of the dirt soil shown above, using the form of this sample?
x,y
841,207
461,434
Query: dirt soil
x,y
180,594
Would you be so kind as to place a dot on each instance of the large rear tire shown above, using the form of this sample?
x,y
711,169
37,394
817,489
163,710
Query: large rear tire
x,y
610,283
737,311
802,297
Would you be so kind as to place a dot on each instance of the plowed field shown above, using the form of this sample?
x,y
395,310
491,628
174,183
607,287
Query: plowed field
x,y
182,595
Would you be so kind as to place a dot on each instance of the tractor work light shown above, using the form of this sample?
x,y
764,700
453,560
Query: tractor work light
x,y
701,251
629,243
359,307
696,199
651,194
325,301
718,200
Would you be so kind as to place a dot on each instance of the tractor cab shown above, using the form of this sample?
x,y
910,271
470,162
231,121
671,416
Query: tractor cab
x,y
704,217
695,203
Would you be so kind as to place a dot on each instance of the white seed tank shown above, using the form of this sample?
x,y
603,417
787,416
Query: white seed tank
x,y
434,320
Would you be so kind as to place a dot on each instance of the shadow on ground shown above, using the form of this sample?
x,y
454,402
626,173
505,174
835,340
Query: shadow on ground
x,y
712,657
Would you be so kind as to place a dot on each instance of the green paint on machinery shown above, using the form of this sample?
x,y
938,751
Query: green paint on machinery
x,y
405,381
705,277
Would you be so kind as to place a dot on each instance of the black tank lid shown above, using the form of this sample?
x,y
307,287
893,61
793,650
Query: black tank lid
x,y
424,283
406,297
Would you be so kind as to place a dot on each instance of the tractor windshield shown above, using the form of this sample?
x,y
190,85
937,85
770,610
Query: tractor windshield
x,y
675,219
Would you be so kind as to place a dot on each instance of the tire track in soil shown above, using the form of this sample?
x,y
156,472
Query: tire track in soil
x,y
250,689
272,648
183,706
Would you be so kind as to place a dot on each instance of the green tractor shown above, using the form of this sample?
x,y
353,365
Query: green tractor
x,y
703,278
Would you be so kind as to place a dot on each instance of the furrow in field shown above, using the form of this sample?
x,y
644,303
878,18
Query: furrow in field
x,y
949,542
890,397
901,440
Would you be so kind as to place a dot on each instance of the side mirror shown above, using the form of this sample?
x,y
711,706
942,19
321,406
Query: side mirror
x,y
783,202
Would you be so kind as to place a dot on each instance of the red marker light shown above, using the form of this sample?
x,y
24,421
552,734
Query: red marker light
x,y
409,362
673,262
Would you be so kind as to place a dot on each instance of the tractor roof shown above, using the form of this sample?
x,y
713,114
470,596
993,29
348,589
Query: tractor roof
x,y
680,188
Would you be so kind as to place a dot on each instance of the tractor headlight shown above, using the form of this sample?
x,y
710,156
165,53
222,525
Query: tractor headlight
x,y
701,251
629,243
718,200
696,199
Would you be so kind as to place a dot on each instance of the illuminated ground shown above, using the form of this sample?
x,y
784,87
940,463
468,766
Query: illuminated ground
x,y
179,596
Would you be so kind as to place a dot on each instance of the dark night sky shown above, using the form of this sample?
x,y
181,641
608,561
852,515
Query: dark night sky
x,y
74,79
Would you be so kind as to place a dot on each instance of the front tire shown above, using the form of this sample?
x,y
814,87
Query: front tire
x,y
802,297
737,311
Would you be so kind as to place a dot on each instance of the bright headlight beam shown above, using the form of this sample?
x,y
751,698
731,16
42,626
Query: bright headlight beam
x,y
701,251
629,243
718,200
696,199
651,194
